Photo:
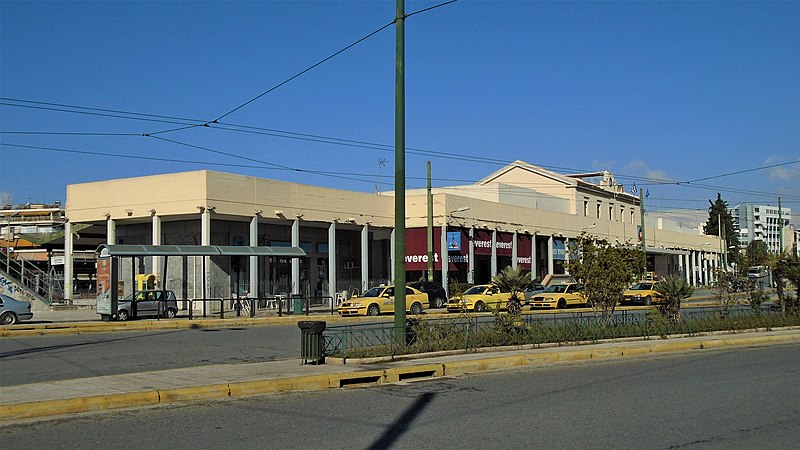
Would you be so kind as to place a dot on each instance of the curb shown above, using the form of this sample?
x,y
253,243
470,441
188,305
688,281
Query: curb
x,y
368,377
65,328
173,324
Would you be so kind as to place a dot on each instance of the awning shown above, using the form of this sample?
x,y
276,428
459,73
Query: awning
x,y
666,251
46,238
105,251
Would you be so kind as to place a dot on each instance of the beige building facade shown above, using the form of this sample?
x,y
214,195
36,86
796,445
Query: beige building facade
x,y
521,214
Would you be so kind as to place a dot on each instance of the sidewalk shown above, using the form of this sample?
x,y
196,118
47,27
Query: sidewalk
x,y
234,380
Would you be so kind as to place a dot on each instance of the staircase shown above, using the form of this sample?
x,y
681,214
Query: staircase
x,y
29,284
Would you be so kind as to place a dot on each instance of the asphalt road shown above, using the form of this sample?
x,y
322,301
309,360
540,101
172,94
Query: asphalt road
x,y
55,357
742,398
46,358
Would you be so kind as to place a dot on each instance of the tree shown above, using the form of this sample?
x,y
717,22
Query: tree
x,y
674,289
785,266
605,271
757,253
718,210
514,281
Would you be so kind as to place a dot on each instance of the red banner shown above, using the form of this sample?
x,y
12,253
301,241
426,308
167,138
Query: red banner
x,y
482,242
505,244
417,250
524,251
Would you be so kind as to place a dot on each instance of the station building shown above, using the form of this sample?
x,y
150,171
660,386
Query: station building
x,y
521,215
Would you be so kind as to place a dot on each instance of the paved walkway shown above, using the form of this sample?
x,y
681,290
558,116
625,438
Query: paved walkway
x,y
231,380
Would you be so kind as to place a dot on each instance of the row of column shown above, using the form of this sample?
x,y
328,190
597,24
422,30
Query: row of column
x,y
699,269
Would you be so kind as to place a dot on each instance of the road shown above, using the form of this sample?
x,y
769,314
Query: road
x,y
46,358
742,398
55,357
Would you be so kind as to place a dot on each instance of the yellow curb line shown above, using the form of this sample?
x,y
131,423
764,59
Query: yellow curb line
x,y
46,408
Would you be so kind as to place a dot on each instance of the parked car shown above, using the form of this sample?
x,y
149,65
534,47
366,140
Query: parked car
x,y
436,293
479,298
148,303
12,310
535,288
559,296
643,293
380,300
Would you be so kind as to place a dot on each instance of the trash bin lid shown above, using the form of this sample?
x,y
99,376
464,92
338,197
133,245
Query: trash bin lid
x,y
312,326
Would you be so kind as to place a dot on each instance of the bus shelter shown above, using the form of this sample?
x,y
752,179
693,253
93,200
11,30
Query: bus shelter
x,y
108,273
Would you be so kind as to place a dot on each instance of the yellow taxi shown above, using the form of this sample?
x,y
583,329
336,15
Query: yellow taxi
x,y
380,300
479,298
559,296
643,293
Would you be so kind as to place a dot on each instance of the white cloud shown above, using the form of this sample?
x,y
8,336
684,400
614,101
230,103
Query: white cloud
x,y
640,168
789,172
5,198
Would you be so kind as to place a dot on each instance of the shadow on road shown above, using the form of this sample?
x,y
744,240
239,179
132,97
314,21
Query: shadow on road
x,y
401,425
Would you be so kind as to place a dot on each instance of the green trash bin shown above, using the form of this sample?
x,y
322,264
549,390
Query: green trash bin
x,y
297,304
312,347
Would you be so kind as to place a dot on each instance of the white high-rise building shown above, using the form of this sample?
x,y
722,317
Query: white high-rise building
x,y
761,222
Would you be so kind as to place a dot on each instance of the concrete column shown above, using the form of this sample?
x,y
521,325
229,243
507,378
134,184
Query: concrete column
x,y
205,239
686,270
254,259
533,256
702,265
111,231
692,265
566,256
471,262
68,273
494,253
156,237
443,258
365,258
394,262
550,254
332,260
296,261
514,251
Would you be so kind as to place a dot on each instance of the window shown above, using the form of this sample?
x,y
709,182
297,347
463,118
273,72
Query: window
x,y
622,214
598,210
632,216
585,208
611,212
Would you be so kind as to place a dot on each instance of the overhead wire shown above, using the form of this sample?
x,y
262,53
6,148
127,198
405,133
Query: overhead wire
x,y
350,143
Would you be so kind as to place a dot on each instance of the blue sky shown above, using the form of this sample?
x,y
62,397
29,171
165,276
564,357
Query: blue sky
x,y
651,91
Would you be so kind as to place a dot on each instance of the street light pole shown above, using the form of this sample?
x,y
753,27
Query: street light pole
x,y
644,240
445,257
400,176
430,227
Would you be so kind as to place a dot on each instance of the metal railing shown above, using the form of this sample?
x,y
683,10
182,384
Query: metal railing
x,y
31,277
468,333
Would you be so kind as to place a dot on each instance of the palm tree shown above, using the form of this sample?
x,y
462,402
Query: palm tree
x,y
789,267
673,289
514,281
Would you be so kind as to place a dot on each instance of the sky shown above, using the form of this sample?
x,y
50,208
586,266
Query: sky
x,y
682,99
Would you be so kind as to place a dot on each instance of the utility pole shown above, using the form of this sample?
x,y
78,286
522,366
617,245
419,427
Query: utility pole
x,y
430,227
400,176
780,227
723,244
644,240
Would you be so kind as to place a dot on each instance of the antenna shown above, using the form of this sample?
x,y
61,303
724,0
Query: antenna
x,y
381,165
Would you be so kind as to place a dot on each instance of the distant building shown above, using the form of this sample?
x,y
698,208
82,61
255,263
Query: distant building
x,y
32,247
762,222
